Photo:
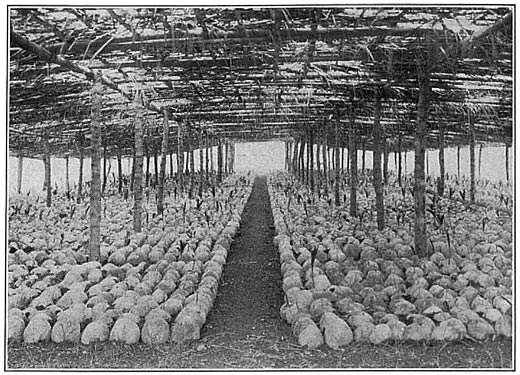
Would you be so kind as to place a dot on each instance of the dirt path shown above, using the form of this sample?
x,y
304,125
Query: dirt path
x,y
248,303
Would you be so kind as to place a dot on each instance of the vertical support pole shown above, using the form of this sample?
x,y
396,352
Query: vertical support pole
x,y
119,171
207,156
325,161
95,188
336,164
80,178
301,166
507,162
171,164
363,156
400,161
479,159
104,169
20,171
47,167
138,161
318,167
352,150
472,157
441,161
180,157
147,178
311,158
164,151
156,167
458,162
423,78
385,157
376,160
295,157
67,173
201,164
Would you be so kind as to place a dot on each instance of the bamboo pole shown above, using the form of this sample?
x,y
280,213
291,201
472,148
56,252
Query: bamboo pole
x,y
164,151
138,161
423,78
95,188
376,160
472,157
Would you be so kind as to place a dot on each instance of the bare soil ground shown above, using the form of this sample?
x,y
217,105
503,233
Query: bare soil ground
x,y
244,329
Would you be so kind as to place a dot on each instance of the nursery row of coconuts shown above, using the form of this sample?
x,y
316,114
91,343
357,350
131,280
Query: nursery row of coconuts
x,y
155,287
346,281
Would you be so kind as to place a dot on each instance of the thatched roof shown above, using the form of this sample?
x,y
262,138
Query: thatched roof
x,y
256,73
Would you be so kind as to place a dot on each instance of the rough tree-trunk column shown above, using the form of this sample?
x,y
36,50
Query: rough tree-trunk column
x,y
80,178
201,164
400,161
20,171
472,157
479,159
95,187
156,167
376,160
507,163
325,161
47,167
311,158
423,78
67,174
104,169
352,150
301,168
441,161
385,158
219,161
363,156
458,162
336,164
180,157
119,171
138,161
164,152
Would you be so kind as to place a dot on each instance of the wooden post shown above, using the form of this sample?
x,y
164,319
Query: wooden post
x,y
318,167
67,174
211,159
138,161
95,188
507,162
294,160
171,164
363,156
385,157
132,177
441,161
207,156
119,171
479,159
458,162
104,169
301,168
201,164
352,150
156,166
336,164
80,179
147,178
226,152
192,165
20,171
311,158
400,159
164,152
423,78
47,167
376,160
180,157
472,157
325,161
